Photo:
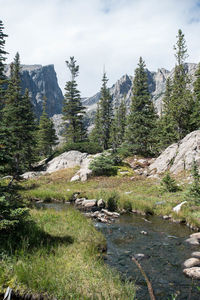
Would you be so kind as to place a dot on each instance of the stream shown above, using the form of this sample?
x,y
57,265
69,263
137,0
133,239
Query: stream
x,y
163,248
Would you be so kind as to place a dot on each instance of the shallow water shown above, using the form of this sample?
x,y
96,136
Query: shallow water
x,y
164,249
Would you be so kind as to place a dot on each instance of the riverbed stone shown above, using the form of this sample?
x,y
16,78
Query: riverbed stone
x,y
193,272
89,203
196,254
195,235
79,201
191,262
166,217
192,241
101,203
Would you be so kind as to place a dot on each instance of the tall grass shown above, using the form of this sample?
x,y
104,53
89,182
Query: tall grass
x,y
58,256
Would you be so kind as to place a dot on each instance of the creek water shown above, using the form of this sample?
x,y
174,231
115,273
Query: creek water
x,y
164,250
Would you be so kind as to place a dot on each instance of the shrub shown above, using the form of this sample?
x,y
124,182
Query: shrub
x,y
112,202
169,184
103,165
127,206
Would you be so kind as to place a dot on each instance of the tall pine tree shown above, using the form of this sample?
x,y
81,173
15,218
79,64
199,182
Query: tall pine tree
x,y
142,118
167,130
195,117
2,65
73,110
104,116
18,125
118,126
181,102
46,136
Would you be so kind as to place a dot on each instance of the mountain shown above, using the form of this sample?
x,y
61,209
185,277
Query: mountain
x,y
41,81
122,89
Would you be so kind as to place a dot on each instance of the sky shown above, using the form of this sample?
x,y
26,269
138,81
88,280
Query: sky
x,y
100,34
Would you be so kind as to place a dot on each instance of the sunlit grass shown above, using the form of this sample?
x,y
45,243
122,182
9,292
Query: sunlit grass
x,y
64,264
144,194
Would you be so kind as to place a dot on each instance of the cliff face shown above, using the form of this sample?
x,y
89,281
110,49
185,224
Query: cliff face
x,y
41,81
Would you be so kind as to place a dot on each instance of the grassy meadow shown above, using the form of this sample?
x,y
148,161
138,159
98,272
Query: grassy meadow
x,y
58,253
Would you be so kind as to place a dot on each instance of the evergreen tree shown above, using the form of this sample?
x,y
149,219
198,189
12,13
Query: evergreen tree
x,y
105,114
73,110
195,117
167,131
181,103
96,133
118,126
2,65
18,126
142,118
46,136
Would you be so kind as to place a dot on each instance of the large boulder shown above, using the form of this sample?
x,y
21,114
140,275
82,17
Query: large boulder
x,y
179,156
68,159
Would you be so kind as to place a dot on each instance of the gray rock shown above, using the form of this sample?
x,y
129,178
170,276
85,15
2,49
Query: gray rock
x,y
196,254
143,232
68,159
166,217
108,213
191,262
29,175
89,203
195,235
79,201
179,157
192,241
101,203
193,272
139,256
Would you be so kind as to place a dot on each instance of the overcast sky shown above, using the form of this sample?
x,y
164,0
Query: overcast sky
x,y
110,33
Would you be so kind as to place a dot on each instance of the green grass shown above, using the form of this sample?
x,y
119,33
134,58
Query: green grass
x,y
58,255
144,196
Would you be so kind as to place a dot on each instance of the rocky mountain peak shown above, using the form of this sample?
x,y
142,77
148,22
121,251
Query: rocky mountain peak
x,y
41,81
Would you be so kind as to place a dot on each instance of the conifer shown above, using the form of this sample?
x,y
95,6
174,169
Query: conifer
x,y
105,113
142,118
195,117
3,54
46,136
18,125
73,110
181,103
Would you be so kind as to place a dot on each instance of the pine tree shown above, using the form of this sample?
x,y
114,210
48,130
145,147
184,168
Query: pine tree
x,y
167,131
142,118
96,133
118,126
18,126
195,117
2,65
46,136
73,110
181,103
105,113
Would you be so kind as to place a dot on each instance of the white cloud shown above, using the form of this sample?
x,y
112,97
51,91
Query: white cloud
x,y
113,33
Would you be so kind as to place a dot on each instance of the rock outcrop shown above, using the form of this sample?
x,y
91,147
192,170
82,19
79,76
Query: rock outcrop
x,y
68,159
41,81
180,156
